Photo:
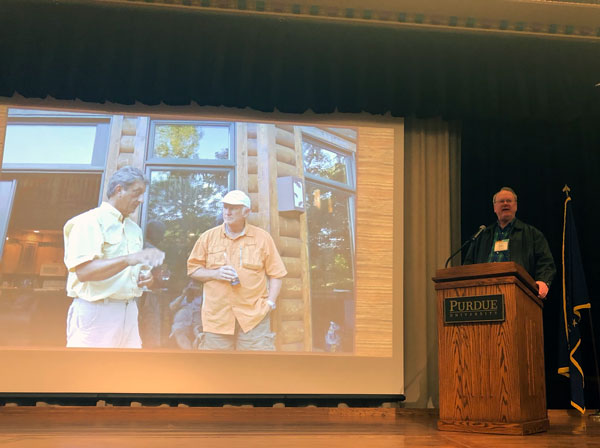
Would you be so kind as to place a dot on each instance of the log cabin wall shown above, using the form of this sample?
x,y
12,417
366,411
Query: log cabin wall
x,y
294,314
127,146
267,152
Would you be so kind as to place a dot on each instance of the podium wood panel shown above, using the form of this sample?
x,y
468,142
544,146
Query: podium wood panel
x,y
492,373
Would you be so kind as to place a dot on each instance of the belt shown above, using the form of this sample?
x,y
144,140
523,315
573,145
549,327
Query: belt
x,y
109,300
125,301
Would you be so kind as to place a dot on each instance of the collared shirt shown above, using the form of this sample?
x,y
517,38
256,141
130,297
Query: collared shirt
x,y
501,235
254,256
102,233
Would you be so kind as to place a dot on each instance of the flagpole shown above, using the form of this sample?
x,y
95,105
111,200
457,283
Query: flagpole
x,y
595,417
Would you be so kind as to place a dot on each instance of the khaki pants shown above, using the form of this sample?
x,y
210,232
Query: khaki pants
x,y
104,324
259,338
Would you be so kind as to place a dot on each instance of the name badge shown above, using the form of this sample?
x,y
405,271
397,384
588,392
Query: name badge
x,y
501,246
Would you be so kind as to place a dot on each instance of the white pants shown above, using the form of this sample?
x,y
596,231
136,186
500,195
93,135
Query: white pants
x,y
103,324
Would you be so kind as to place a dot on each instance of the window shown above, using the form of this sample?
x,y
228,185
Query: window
x,y
55,162
330,198
325,163
186,201
191,142
50,140
330,239
190,166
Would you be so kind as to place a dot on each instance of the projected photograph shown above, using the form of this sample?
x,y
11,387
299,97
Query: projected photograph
x,y
301,184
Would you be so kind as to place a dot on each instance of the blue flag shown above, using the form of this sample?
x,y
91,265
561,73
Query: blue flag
x,y
575,299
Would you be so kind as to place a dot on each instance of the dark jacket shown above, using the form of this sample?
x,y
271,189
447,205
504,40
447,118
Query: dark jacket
x,y
528,247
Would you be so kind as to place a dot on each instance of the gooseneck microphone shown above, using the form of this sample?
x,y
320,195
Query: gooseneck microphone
x,y
469,241
481,229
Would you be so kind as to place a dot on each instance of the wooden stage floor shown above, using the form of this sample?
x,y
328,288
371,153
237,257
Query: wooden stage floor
x,y
150,427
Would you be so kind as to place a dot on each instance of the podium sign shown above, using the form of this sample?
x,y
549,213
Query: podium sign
x,y
474,309
491,373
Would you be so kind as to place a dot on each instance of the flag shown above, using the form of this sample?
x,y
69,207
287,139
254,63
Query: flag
x,y
575,299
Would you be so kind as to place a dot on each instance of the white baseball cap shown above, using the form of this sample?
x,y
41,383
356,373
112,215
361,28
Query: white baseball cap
x,y
236,197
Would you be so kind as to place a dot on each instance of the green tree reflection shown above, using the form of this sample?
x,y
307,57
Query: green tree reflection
x,y
191,141
329,239
324,163
187,202
178,141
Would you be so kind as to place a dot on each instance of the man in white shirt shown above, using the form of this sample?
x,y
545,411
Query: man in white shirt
x,y
104,256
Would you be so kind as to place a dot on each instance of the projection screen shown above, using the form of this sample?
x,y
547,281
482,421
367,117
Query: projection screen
x,y
328,189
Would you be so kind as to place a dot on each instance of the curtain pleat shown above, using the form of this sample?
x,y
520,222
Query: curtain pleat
x,y
432,174
100,52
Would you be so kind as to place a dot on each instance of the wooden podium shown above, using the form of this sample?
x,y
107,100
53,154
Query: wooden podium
x,y
491,373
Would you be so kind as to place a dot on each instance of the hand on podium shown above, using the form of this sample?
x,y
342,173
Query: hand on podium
x,y
542,289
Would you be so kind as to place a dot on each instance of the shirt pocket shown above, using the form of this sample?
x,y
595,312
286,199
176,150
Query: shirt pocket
x,y
134,241
113,241
215,257
252,257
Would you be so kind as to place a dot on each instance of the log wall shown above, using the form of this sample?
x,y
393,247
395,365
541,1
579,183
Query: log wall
x,y
127,146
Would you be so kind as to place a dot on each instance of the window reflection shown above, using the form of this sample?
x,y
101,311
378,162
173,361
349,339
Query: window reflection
x,y
329,214
324,163
55,140
49,144
190,141
330,245
329,238
187,202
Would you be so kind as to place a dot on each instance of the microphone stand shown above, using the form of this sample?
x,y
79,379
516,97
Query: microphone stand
x,y
470,240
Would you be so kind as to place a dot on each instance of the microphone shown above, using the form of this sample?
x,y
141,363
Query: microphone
x,y
481,229
469,241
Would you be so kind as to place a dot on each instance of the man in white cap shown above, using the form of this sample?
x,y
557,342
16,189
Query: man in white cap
x,y
241,270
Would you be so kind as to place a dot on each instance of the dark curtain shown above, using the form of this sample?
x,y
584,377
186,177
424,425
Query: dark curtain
x,y
537,160
101,52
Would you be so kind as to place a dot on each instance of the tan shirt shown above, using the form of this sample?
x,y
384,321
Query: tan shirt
x,y
102,233
254,256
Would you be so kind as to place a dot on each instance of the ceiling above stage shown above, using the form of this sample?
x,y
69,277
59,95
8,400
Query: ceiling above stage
x,y
565,19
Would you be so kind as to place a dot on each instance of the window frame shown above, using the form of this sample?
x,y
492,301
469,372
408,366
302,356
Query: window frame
x,y
349,162
8,188
99,151
192,165
315,136
319,138
151,159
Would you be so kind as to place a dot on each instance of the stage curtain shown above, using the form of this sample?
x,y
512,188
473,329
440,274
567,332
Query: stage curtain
x,y
432,228
123,53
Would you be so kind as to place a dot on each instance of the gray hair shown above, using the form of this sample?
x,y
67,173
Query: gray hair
x,y
125,177
504,189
